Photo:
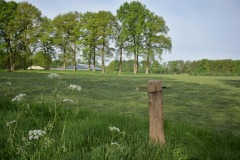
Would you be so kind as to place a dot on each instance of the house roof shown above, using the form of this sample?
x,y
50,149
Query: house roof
x,y
35,67
83,67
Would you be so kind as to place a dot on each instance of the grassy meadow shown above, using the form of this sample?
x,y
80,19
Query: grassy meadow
x,y
108,118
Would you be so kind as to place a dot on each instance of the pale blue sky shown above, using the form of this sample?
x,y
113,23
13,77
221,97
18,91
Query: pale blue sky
x,y
199,28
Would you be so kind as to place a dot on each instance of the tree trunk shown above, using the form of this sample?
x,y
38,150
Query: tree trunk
x,y
11,60
147,67
94,58
9,54
64,59
11,63
89,58
74,58
103,60
135,55
45,57
120,62
135,62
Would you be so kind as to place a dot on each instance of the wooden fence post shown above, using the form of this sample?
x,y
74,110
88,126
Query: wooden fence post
x,y
156,130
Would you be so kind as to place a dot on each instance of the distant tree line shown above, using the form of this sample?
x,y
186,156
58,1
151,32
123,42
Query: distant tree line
x,y
202,67
29,38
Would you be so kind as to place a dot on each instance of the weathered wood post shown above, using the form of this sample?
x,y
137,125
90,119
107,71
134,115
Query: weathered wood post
x,y
156,130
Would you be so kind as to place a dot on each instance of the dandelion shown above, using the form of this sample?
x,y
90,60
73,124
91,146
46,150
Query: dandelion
x,y
36,134
74,87
19,97
113,129
53,76
68,100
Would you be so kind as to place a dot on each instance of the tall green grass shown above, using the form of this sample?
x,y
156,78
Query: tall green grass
x,y
201,117
87,137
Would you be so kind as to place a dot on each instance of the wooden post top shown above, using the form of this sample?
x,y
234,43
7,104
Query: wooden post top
x,y
154,86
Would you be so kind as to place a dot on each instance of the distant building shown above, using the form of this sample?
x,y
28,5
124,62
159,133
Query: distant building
x,y
36,67
83,67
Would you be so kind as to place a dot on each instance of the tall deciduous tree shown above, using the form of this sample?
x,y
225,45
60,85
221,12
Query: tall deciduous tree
x,y
120,42
105,23
22,31
66,34
7,30
28,20
155,36
46,41
90,37
75,36
132,16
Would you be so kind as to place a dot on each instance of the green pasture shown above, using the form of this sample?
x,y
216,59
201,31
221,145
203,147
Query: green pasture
x,y
202,116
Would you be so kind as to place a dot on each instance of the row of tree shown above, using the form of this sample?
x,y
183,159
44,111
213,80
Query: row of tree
x,y
26,36
127,66
201,67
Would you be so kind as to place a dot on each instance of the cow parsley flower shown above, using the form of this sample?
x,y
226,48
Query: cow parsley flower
x,y
115,144
48,141
68,100
9,123
9,83
53,76
36,134
113,129
49,126
64,148
74,87
19,97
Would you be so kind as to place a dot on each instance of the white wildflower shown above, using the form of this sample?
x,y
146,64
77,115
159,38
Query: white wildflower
x,y
19,150
112,129
68,100
53,76
115,144
35,134
74,87
19,97
9,83
30,137
25,141
36,137
64,148
49,126
9,123
48,141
